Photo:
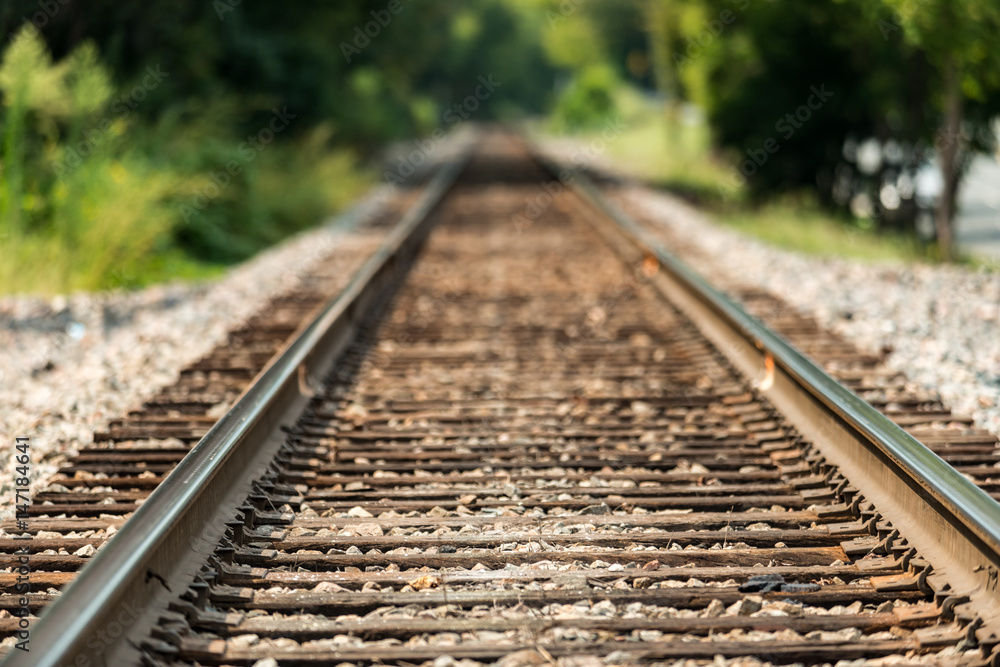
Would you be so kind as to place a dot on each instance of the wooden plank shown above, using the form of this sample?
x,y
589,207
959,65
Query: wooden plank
x,y
528,573
355,602
306,628
785,651
753,538
470,558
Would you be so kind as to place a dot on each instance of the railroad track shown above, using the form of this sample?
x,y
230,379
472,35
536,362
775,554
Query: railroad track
x,y
525,454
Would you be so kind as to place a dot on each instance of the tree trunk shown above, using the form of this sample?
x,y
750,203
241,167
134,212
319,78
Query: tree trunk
x,y
948,149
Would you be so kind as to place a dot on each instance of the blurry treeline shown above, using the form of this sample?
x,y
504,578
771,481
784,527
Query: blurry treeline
x,y
146,140
150,139
876,105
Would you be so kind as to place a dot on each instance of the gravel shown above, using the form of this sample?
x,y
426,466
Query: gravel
x,y
940,322
71,363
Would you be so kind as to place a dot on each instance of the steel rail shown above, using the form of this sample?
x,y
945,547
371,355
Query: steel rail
x,y
165,542
953,523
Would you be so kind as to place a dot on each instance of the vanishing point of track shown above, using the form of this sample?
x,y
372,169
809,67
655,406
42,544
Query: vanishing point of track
x,y
512,447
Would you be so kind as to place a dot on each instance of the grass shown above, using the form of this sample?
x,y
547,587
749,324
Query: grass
x,y
806,228
672,151
669,149
112,227
169,265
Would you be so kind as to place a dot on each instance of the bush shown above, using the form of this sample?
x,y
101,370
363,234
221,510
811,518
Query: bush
x,y
90,200
78,213
588,100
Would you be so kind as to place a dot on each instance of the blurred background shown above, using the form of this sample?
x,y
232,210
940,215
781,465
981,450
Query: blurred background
x,y
150,141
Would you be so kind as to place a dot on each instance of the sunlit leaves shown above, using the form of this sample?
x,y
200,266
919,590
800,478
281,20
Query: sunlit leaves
x,y
965,32
76,86
87,81
28,77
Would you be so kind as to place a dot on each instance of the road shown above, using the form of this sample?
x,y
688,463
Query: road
x,y
977,226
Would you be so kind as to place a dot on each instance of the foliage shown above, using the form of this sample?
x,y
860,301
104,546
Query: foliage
x,y
965,31
284,188
94,200
758,68
68,226
160,97
691,170
588,100
800,225
960,40
121,120
671,151
785,75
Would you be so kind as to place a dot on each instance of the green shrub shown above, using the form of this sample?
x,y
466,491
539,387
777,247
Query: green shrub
x,y
588,100
92,199
77,212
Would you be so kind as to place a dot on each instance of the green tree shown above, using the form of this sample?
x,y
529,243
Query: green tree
x,y
784,84
961,39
